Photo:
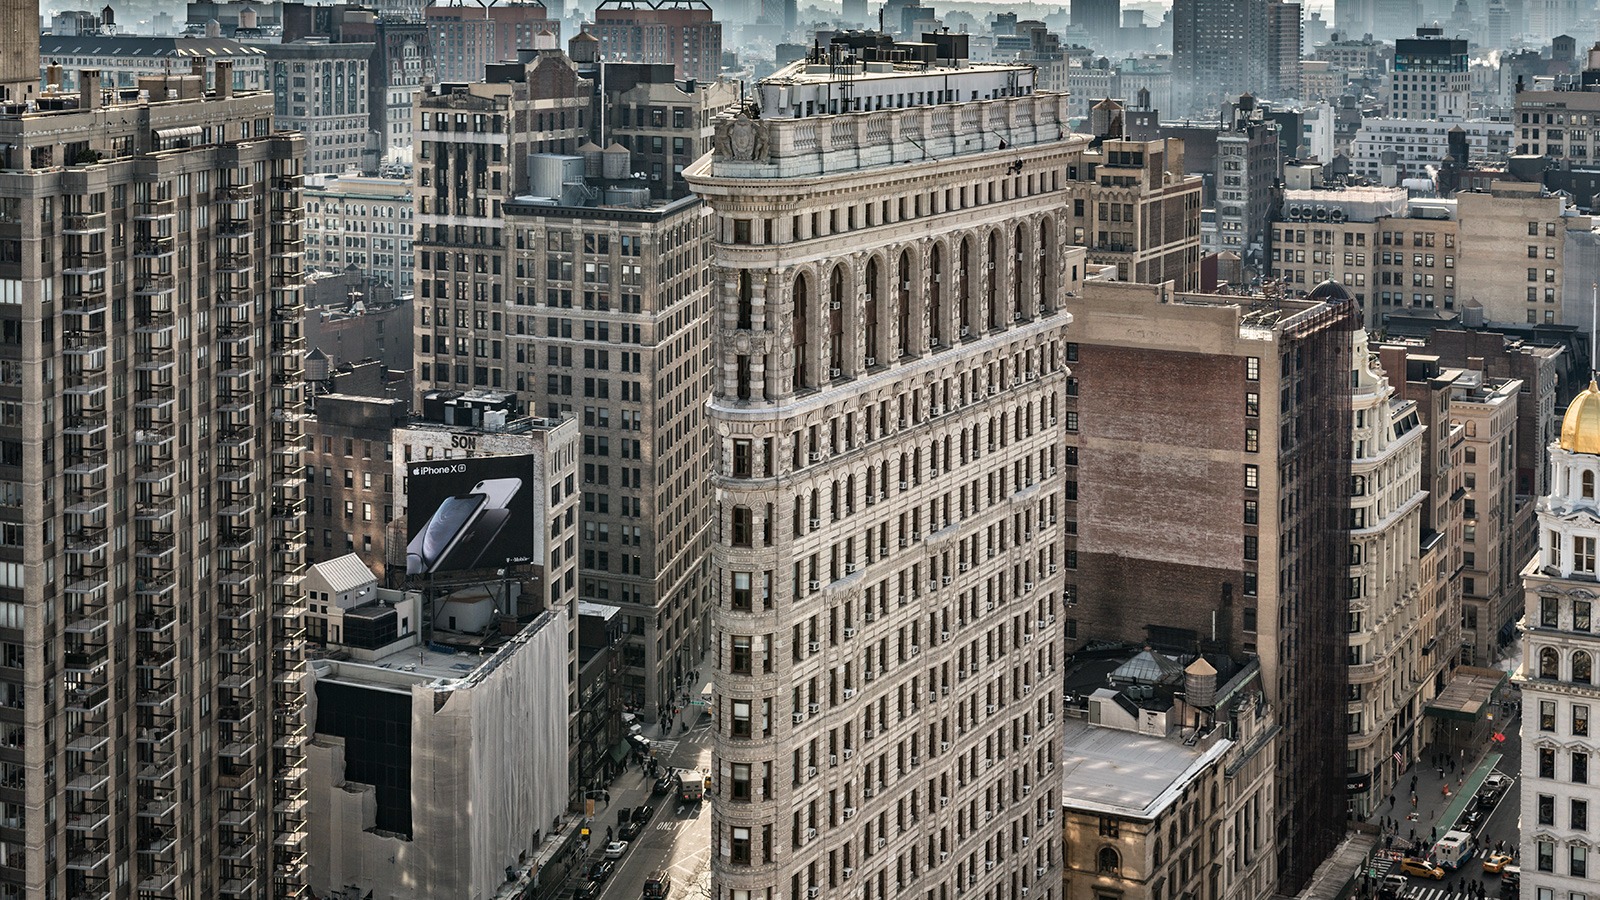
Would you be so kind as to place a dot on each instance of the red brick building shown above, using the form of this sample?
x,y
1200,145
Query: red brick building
x,y
684,33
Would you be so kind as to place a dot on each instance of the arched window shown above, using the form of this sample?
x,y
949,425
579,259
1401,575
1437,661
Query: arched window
x,y
1109,862
1044,265
873,276
936,312
802,333
903,303
964,286
1581,667
836,322
1588,485
1019,246
1549,663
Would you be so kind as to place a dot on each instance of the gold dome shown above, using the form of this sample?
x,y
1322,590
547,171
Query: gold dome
x,y
1580,429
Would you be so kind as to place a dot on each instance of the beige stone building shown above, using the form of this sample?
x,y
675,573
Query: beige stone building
x,y
1486,407
1392,675
1512,238
611,324
1134,208
1167,784
891,366
1498,251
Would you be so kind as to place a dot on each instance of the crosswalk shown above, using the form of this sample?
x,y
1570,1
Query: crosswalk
x,y
1439,893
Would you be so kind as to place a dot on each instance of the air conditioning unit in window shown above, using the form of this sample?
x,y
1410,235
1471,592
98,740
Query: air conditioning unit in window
x,y
814,708
871,361
812,892
848,870
945,579
944,635
965,331
835,373
811,772
849,632
1038,872
849,693
1027,738
882,843
944,746
988,864
815,585
870,616
994,389
944,855
869,792
816,523
1050,718
851,568
798,717
834,304
916,650
849,752
916,761
963,567
1050,814
849,812
990,709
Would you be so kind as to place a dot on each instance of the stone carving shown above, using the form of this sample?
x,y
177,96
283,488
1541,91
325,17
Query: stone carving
x,y
742,138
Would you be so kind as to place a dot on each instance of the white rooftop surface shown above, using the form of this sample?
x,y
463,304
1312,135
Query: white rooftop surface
x,y
803,72
344,573
404,668
1125,773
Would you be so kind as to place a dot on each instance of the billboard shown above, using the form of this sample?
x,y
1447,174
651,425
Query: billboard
x,y
477,513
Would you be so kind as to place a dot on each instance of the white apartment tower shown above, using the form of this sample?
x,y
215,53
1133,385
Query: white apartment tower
x,y
1391,673
1558,679
886,544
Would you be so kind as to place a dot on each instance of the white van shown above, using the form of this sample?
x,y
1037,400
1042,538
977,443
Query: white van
x,y
1454,849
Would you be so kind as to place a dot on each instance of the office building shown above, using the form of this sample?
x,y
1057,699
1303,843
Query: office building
x,y
682,33
122,59
19,51
1100,19
1487,407
1135,208
1557,678
150,600
320,90
1430,78
612,323
363,223
1205,564
887,396
466,40
473,144
436,770
664,121
1514,238
1203,786
1393,669
1224,48
1388,150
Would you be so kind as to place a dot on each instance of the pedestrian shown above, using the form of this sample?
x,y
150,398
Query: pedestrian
x,y
1413,799
1440,770
1391,801
1413,782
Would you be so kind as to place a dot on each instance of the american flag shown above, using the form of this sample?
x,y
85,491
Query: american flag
x,y
1398,758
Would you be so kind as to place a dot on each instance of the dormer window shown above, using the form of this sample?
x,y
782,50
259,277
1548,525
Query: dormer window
x,y
1583,554
1588,485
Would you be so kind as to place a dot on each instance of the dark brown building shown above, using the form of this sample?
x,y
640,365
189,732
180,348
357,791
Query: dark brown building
x,y
350,476
1207,480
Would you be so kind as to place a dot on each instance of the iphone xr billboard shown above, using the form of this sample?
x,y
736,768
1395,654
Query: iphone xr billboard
x,y
465,514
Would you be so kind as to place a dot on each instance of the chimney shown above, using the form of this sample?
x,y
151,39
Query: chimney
x,y
224,79
89,89
197,66
52,77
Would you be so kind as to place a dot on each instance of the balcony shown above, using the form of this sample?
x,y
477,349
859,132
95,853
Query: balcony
x,y
159,846
92,817
88,700
159,879
153,285
235,263
83,223
87,858
83,263
235,193
234,227
156,210
86,659
239,887
160,772
84,302
153,248
152,587
89,783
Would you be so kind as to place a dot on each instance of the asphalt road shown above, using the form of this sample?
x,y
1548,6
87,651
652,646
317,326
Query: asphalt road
x,y
1502,824
678,837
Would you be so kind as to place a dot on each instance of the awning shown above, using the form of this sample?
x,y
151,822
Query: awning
x,y
620,751
705,697
1468,695
183,131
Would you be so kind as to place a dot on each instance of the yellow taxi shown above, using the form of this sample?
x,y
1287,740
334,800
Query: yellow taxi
x,y
1496,862
1413,866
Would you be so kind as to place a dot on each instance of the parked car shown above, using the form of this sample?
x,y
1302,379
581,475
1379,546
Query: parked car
x,y
1411,865
615,849
602,870
1393,887
665,784
630,830
589,890
642,814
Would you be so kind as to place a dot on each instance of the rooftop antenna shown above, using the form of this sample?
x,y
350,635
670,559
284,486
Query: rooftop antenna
x,y
1594,319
